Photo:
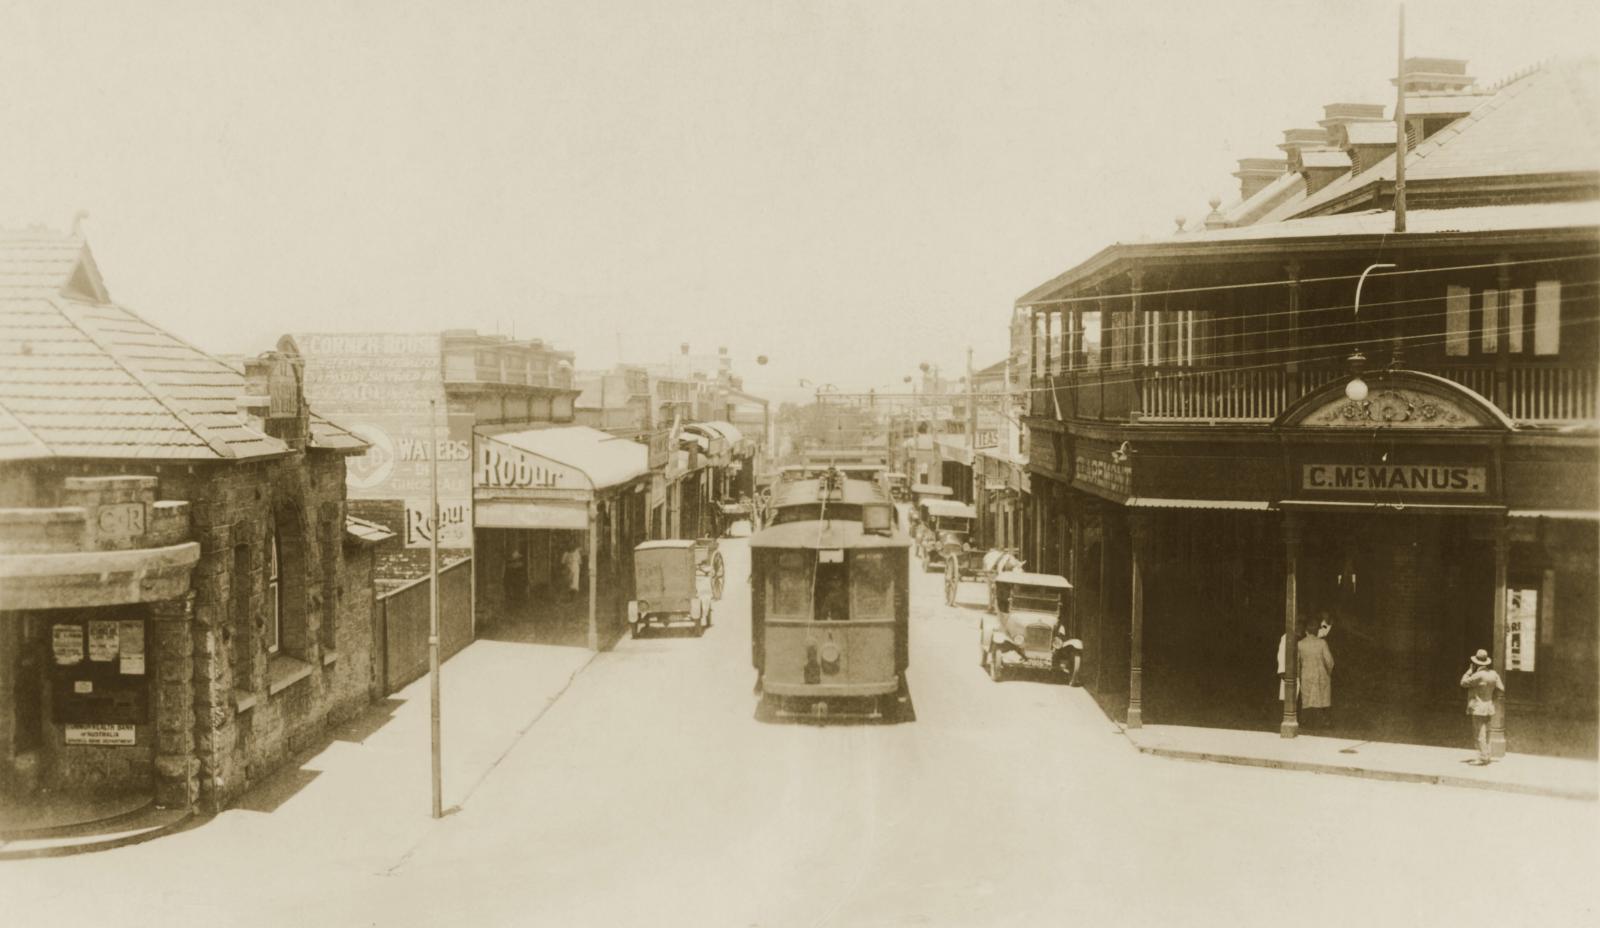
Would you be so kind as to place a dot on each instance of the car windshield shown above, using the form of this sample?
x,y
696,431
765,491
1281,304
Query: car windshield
x,y
1034,599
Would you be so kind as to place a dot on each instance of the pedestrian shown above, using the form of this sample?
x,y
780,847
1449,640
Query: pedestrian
x,y
1316,677
1483,685
572,560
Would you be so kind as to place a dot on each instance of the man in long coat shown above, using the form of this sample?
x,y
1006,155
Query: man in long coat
x,y
1316,678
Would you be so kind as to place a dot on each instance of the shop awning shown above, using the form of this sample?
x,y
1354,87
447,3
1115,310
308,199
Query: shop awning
x,y
1153,502
528,514
1577,514
726,429
557,463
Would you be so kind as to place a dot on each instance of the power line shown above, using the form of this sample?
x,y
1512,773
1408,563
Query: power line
x,y
1305,280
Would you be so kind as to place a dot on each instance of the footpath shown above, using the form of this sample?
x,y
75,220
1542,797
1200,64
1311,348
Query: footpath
x,y
1414,763
374,775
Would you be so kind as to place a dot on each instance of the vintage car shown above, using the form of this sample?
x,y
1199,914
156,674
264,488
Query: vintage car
x,y
948,532
899,487
1028,629
671,587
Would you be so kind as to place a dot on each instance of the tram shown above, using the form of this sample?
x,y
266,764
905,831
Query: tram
x,y
832,490
830,607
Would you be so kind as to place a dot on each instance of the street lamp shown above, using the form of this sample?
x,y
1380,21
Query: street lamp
x,y
1356,389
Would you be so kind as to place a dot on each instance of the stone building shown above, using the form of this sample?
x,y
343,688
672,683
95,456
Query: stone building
x,y
184,604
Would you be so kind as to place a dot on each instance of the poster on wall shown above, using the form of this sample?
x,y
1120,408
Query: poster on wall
x,y
1522,617
66,643
130,641
102,641
379,386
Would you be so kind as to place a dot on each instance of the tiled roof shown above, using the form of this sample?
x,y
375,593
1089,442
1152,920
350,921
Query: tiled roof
x,y
82,377
1544,123
1503,218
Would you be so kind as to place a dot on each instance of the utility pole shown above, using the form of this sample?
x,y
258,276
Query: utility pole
x,y
433,608
1400,130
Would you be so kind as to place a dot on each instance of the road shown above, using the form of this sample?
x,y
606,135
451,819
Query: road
x,y
650,795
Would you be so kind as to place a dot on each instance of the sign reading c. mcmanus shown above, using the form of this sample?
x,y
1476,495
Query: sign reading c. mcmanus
x,y
1404,478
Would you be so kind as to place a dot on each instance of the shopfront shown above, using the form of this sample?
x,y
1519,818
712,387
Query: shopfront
x,y
1416,523
556,514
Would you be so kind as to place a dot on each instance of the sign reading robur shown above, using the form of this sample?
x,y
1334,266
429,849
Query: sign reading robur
x,y
1403,478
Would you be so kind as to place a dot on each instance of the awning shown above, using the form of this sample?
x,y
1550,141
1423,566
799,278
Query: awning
x,y
726,429
955,450
1575,514
556,463
556,514
365,532
1152,502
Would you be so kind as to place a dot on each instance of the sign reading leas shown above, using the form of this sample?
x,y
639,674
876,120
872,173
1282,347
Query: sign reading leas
x,y
1406,478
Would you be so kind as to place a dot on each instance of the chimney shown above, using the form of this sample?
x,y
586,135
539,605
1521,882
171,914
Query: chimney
x,y
1296,140
1336,116
1435,75
1255,174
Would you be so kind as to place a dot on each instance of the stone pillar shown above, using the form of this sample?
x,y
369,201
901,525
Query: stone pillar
x,y
1139,537
1291,622
1502,555
172,644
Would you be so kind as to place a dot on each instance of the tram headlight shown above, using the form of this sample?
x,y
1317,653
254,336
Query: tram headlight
x,y
830,653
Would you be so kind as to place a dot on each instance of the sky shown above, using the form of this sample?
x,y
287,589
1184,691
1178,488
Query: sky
x,y
850,189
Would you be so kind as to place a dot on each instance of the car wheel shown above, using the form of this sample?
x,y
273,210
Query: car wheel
x,y
983,652
997,667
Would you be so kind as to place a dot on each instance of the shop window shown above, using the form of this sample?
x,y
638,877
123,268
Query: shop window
x,y
1091,339
1547,317
273,610
1457,321
1489,319
1514,322
244,638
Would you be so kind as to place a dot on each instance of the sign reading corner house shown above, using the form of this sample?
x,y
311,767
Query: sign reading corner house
x,y
1393,478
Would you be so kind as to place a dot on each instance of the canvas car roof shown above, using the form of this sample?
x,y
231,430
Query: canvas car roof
x,y
949,508
664,543
1023,578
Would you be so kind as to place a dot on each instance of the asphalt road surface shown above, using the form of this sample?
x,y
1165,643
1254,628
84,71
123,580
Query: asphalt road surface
x,y
651,795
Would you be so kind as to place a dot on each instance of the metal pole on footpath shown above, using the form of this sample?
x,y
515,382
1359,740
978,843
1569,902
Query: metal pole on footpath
x,y
433,605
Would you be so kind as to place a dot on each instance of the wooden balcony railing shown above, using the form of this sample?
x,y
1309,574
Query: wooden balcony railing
x,y
1528,393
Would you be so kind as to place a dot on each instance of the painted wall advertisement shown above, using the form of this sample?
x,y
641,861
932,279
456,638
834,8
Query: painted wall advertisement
x,y
378,386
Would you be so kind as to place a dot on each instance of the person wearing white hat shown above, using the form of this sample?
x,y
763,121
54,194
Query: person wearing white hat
x,y
1482,685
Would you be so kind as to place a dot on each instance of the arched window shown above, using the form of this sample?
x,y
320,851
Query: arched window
x,y
274,604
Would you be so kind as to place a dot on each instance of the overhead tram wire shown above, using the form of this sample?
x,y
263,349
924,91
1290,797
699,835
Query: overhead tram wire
x,y
1324,307
1248,285
1423,340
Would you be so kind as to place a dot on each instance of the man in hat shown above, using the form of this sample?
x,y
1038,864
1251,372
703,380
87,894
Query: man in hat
x,y
1482,685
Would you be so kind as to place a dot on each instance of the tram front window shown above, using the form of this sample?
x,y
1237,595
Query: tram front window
x,y
871,585
833,599
791,584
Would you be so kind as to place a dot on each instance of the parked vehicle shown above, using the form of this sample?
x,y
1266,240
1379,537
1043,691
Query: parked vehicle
x,y
1028,628
899,487
671,587
948,530
829,617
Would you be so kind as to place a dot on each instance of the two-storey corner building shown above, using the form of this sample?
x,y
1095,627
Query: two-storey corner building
x,y
184,601
1224,444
